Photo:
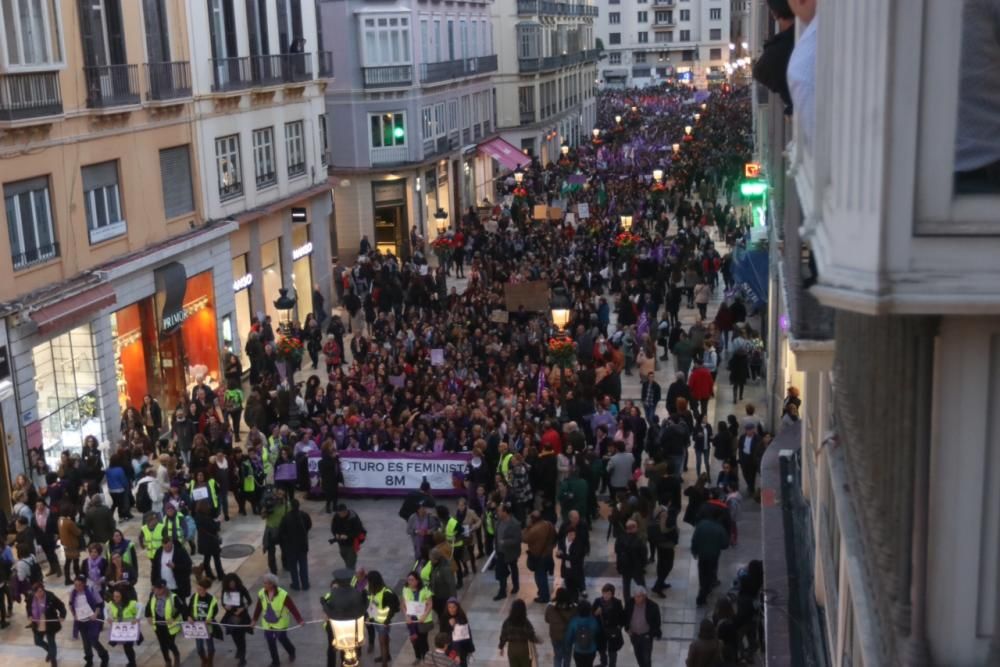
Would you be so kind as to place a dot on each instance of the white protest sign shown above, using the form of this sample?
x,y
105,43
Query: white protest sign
x,y
399,472
414,608
124,631
196,630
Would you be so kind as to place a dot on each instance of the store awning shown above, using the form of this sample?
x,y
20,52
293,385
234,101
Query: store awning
x,y
75,309
504,152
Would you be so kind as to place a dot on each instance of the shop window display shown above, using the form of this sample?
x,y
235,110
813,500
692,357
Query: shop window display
x,y
66,385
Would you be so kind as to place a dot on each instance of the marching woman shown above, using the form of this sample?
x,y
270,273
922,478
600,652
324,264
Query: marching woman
x,y
419,609
46,613
87,608
204,608
236,602
166,611
122,608
276,607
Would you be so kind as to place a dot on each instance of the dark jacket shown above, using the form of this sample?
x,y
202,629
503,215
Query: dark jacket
x,y
330,475
631,555
770,68
350,526
55,611
293,533
182,570
209,541
709,539
652,617
99,523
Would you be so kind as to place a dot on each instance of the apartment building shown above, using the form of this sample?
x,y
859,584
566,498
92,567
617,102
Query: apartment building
x,y
649,41
125,140
885,311
548,70
410,116
260,72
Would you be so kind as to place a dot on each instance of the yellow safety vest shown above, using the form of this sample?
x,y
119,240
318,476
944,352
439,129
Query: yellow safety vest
x,y
211,491
453,533
383,611
173,625
128,554
212,606
277,604
504,466
128,612
425,573
153,539
424,595
177,532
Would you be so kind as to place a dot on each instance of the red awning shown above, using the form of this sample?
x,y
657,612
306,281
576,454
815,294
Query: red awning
x,y
504,152
72,310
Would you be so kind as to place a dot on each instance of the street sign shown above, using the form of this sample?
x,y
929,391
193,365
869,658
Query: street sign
x,y
751,169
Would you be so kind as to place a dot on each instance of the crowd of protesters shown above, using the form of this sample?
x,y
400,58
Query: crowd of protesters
x,y
547,440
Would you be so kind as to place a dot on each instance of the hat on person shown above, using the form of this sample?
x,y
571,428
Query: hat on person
x,y
341,507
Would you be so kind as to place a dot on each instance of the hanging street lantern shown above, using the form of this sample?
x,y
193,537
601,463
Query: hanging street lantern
x,y
345,609
626,220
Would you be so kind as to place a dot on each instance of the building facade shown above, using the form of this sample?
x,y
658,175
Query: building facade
x,y
412,102
260,71
887,315
112,289
548,68
650,41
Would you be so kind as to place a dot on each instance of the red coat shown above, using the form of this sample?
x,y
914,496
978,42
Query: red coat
x,y
551,437
701,384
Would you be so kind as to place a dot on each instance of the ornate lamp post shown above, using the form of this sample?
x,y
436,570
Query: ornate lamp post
x,y
518,175
441,221
345,611
626,220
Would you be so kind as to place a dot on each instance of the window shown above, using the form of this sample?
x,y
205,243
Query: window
x,y
643,37
388,129
324,142
528,38
386,40
29,222
685,35
175,178
102,202
663,37
663,17
453,115
615,58
32,32
687,56
639,57
715,14
643,17
526,103
227,164
295,148
102,34
685,15
427,123
614,18
614,38
263,157
66,379
715,54
715,34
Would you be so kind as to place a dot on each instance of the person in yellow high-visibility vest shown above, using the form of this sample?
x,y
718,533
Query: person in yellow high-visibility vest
x,y
506,459
120,610
455,536
275,610
151,535
203,487
382,606
419,609
166,611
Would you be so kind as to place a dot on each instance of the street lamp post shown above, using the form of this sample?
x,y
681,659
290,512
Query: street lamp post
x,y
677,148
518,175
561,307
618,120
597,133
345,608
441,221
564,149
687,130
626,220
658,173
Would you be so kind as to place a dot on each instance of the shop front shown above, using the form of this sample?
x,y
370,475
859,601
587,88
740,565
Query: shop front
x,y
391,217
166,343
302,251
242,282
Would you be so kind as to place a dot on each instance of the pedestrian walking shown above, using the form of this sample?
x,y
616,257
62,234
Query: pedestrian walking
x,y
203,608
348,533
508,551
418,606
642,621
275,610
293,535
517,636
123,609
581,636
610,613
236,614
558,614
166,610
87,608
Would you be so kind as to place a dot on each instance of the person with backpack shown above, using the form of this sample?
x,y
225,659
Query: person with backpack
x,y
148,493
581,636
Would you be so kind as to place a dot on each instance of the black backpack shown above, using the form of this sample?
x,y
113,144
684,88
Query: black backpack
x,y
143,502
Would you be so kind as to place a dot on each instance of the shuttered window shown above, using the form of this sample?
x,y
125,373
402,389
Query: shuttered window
x,y
175,173
102,202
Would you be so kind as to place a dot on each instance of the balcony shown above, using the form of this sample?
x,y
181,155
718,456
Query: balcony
x,y
31,95
168,81
440,145
388,76
325,64
268,70
663,24
664,3
549,63
389,155
111,85
35,256
527,117
535,7
455,69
